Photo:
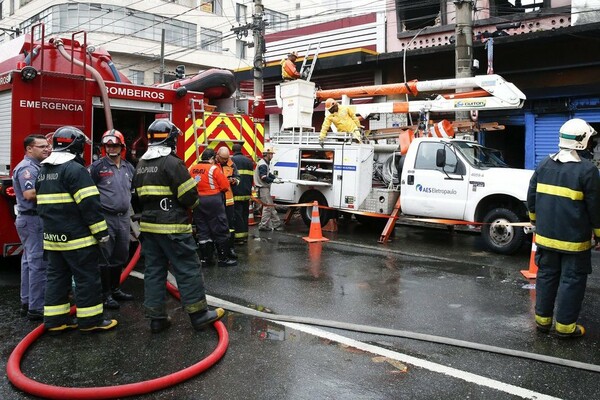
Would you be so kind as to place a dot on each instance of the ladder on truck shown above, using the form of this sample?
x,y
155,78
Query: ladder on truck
x,y
307,68
197,107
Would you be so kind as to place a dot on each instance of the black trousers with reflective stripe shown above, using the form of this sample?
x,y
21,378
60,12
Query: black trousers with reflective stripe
x,y
80,265
242,209
560,283
178,251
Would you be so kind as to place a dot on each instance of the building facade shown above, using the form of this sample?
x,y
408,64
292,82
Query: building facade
x,y
197,33
544,47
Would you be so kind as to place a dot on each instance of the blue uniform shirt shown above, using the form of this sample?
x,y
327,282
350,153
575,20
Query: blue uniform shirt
x,y
114,184
24,177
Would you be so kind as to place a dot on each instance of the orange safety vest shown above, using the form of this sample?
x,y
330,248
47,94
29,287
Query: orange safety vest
x,y
209,179
228,171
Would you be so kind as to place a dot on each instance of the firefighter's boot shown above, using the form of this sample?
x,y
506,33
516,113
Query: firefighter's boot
x,y
115,279
202,319
105,276
232,253
159,325
223,255
100,327
207,254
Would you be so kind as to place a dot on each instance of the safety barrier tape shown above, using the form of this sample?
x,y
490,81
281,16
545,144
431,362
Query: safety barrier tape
x,y
387,216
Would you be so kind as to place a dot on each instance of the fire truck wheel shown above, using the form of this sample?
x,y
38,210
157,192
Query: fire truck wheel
x,y
306,212
500,237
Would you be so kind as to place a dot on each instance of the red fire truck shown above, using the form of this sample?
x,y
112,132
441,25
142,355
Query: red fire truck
x,y
46,84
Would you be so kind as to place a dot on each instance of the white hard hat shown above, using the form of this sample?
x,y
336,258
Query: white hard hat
x,y
575,134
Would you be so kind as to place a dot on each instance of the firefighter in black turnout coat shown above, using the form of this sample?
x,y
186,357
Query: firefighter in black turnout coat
x,y
166,193
242,193
69,205
563,202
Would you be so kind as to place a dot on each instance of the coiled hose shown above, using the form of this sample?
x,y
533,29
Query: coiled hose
x,y
17,378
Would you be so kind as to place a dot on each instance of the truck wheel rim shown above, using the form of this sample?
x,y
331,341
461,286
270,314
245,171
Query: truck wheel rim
x,y
501,232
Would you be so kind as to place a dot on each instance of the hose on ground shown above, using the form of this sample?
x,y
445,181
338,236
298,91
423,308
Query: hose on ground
x,y
18,379
405,334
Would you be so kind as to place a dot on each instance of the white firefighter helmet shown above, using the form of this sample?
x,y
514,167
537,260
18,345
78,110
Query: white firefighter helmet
x,y
575,134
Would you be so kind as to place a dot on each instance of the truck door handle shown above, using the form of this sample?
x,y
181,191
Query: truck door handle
x,y
410,179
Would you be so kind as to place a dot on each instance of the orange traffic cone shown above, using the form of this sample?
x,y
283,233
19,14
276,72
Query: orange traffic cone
x,y
251,220
531,273
315,234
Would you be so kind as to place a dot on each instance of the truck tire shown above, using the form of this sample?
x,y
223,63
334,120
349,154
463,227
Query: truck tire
x,y
306,212
499,237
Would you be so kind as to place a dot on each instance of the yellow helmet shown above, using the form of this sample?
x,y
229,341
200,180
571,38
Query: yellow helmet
x,y
330,103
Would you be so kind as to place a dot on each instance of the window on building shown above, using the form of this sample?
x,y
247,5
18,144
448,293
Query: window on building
x,y
157,77
212,6
276,20
506,7
211,40
116,20
241,13
11,6
240,49
1,7
136,77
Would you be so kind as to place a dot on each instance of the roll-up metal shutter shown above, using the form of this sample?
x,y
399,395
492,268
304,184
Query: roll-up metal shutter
x,y
546,134
5,131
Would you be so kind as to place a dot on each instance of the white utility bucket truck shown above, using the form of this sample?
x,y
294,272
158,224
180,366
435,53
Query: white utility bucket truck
x,y
439,177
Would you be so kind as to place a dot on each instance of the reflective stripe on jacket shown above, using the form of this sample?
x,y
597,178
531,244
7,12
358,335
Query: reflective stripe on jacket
x,y
245,166
166,191
69,204
209,178
563,201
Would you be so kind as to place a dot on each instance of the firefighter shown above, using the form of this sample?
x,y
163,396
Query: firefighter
x,y
263,179
242,193
166,193
112,174
233,177
212,229
563,199
69,205
343,119
288,67
29,228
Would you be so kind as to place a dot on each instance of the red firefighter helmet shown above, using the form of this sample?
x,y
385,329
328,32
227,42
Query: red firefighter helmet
x,y
113,136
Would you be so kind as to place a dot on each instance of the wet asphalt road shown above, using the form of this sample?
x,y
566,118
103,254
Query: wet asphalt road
x,y
427,281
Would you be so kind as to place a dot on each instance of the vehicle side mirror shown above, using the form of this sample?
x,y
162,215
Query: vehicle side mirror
x,y
440,158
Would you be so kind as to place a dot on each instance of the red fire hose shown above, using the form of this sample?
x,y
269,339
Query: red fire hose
x,y
17,378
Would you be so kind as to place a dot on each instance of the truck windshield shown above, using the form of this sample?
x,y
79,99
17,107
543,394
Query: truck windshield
x,y
479,156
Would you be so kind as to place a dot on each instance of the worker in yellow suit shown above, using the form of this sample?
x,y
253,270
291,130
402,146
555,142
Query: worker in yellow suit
x,y
344,120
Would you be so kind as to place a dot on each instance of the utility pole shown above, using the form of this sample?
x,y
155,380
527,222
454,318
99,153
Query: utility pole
x,y
258,29
259,47
162,57
464,45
